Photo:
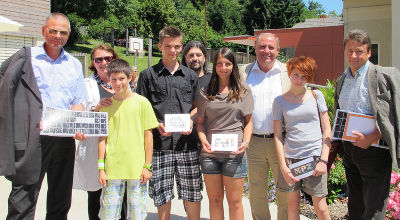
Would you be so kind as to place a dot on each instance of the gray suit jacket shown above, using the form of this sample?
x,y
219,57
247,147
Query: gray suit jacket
x,y
384,92
245,70
20,113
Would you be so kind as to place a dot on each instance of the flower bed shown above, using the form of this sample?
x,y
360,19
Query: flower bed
x,y
393,207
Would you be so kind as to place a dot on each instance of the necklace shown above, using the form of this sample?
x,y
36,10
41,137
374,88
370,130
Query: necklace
x,y
101,82
298,96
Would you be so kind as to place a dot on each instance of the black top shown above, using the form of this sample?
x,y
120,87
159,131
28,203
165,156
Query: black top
x,y
104,93
170,94
204,80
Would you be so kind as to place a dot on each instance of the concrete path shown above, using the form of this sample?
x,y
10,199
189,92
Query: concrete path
x,y
78,209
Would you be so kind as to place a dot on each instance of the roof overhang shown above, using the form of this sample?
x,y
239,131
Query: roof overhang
x,y
243,40
8,25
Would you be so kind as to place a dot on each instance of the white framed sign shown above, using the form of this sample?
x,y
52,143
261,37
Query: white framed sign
x,y
177,122
303,168
224,142
66,123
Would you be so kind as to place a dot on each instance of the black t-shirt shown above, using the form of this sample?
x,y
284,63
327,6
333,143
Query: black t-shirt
x,y
170,94
204,80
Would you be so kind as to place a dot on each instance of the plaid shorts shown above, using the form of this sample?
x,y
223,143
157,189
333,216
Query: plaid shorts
x,y
112,195
185,167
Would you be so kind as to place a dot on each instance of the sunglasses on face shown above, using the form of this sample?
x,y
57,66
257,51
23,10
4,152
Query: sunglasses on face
x,y
100,59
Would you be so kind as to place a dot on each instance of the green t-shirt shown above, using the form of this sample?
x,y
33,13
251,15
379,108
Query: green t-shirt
x,y
125,151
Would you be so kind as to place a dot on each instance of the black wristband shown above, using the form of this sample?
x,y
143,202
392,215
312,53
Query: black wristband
x,y
323,161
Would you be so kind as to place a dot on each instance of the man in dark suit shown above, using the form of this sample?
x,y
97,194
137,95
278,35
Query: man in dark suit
x,y
372,90
33,78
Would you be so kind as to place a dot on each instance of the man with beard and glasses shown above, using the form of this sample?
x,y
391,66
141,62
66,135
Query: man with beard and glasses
x,y
194,56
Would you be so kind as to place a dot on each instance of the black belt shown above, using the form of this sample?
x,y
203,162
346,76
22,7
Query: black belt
x,y
265,136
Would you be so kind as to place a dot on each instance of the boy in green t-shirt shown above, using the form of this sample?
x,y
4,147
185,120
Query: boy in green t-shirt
x,y
125,156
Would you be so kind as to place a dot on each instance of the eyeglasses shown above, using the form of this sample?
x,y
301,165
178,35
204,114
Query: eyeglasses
x,y
100,59
54,32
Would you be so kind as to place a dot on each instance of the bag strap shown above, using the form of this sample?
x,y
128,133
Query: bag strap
x,y
316,100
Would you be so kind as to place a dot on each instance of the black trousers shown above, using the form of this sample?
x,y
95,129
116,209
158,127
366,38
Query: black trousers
x,y
58,154
368,180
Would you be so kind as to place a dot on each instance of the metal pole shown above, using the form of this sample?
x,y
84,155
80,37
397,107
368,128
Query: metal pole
x,y
127,42
205,23
248,54
150,51
135,57
112,37
104,35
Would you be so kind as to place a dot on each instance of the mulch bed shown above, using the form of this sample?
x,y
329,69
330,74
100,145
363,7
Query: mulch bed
x,y
337,210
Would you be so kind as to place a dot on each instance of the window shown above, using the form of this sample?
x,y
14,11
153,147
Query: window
x,y
286,53
374,54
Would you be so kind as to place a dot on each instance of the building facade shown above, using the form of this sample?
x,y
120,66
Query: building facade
x,y
31,14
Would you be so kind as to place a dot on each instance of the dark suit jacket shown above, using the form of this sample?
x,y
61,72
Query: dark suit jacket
x,y
384,92
20,114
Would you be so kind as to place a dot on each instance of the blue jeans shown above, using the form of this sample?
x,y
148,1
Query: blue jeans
x,y
232,167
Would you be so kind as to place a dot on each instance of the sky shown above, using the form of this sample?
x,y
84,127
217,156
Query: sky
x,y
330,5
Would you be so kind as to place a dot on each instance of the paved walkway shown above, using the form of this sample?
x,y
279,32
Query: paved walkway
x,y
78,209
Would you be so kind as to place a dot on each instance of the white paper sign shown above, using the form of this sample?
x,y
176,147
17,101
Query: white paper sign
x,y
346,122
177,122
303,168
224,142
360,124
66,123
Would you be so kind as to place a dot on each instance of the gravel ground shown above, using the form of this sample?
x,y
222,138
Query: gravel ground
x,y
337,210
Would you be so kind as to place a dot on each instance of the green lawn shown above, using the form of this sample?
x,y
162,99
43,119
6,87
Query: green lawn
x,y
141,63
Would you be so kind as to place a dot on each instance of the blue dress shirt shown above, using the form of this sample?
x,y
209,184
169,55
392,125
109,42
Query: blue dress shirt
x,y
60,81
354,95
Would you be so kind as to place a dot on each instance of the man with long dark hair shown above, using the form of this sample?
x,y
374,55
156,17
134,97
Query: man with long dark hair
x,y
194,56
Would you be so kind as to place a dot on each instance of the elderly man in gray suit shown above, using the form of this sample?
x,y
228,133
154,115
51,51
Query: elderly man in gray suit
x,y
372,90
267,78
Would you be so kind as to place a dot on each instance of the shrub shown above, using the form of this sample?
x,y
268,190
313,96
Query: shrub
x,y
336,181
393,207
76,36
271,188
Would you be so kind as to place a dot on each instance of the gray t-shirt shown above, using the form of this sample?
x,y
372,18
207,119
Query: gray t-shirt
x,y
223,117
303,132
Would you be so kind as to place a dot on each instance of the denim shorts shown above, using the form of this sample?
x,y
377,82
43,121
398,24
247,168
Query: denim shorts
x,y
232,167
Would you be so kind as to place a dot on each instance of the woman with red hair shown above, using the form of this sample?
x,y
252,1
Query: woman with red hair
x,y
304,114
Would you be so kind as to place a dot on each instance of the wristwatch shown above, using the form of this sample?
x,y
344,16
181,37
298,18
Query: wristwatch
x,y
149,167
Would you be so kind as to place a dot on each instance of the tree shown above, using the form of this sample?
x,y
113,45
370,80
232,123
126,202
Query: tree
x,y
332,14
271,14
316,8
88,9
225,17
